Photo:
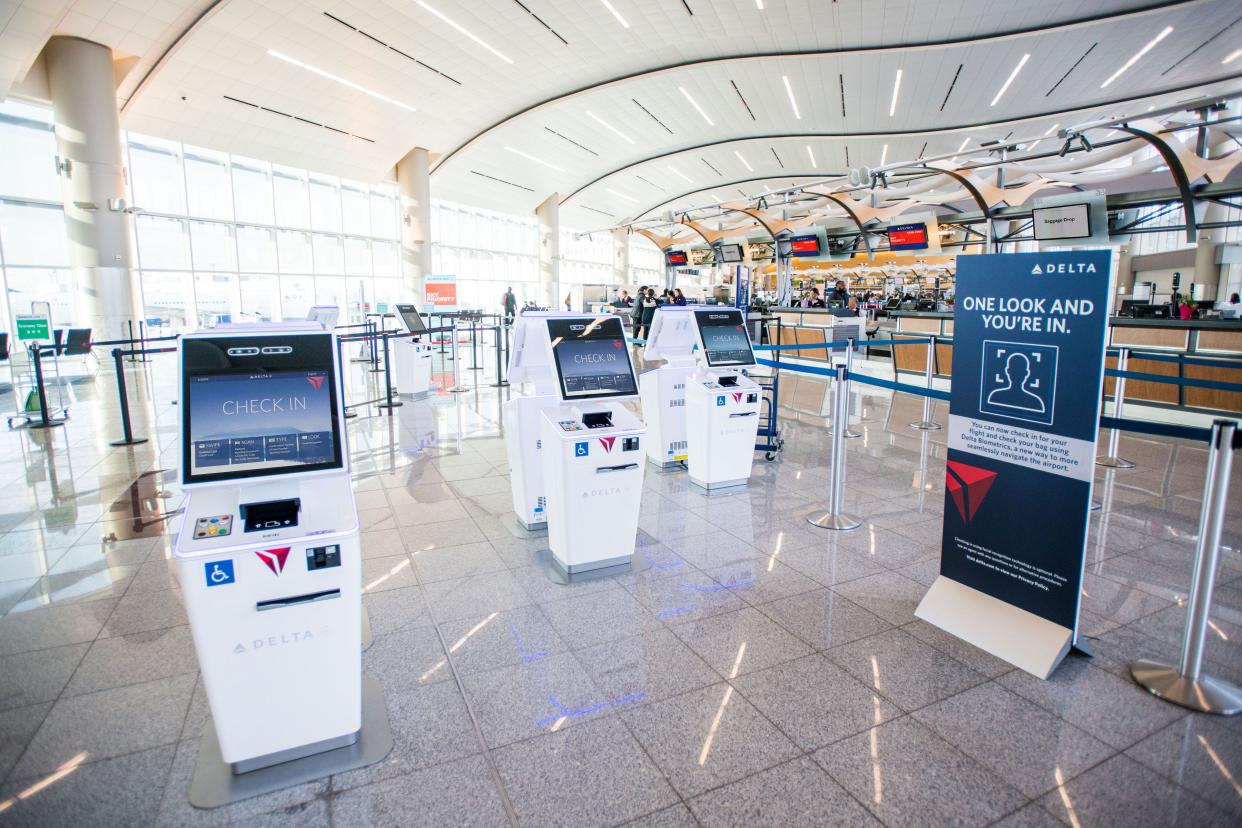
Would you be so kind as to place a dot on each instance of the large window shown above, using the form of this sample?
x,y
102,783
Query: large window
x,y
488,251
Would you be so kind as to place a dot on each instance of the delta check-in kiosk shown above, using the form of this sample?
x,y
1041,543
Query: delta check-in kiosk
x,y
722,404
411,356
269,561
663,390
592,445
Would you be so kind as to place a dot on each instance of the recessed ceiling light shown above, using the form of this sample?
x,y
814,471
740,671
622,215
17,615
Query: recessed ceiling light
x,y
604,123
489,47
892,106
695,104
743,160
1151,44
713,195
678,172
811,153
1012,75
1051,130
884,155
1232,56
621,195
615,13
759,5
533,158
792,101
321,73
965,141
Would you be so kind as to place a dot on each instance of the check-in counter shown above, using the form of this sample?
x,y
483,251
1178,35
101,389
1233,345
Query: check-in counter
x,y
921,325
1219,340
815,326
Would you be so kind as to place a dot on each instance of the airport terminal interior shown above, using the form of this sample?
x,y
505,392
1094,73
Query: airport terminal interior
x,y
620,412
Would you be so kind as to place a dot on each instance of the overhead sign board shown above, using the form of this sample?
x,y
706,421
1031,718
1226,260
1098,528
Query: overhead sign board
x,y
440,293
1028,370
33,328
1073,221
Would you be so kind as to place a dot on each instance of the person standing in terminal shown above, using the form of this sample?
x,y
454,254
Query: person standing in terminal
x,y
649,305
839,293
812,300
509,302
636,312
679,298
1231,309
624,300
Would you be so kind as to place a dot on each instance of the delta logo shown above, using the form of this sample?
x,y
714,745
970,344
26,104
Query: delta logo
x,y
607,443
274,558
737,396
968,486
316,381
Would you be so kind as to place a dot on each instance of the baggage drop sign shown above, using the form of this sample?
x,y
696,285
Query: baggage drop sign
x,y
1028,370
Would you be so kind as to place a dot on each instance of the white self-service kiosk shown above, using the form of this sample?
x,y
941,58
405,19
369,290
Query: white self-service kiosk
x,y
412,356
663,390
592,452
722,404
529,363
270,564
325,315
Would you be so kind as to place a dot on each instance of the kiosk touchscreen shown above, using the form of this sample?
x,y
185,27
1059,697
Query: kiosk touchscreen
x,y
663,390
412,356
722,403
325,315
268,557
592,452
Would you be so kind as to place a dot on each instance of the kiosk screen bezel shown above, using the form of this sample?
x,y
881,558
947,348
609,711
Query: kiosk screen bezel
x,y
404,311
729,319
602,328
222,356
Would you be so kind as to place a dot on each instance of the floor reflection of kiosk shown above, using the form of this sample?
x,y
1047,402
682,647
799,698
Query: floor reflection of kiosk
x,y
412,356
592,445
270,564
663,390
722,404
528,363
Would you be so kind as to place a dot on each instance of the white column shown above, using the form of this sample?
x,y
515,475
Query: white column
x,y
414,186
620,257
88,143
549,215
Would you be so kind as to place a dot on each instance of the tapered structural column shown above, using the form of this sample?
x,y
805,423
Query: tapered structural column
x,y
620,257
414,184
92,170
549,215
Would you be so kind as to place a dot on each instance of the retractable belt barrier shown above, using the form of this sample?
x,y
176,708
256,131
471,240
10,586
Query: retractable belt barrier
x,y
1232,364
1191,382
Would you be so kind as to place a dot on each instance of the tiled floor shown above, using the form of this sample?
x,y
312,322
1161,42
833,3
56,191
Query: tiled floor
x,y
756,671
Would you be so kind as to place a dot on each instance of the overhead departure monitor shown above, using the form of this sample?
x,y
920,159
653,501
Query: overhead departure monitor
x,y
907,237
676,258
723,336
730,253
804,245
411,319
254,406
592,362
1070,221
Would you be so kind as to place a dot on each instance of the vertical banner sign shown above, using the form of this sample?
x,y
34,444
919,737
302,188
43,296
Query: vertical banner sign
x,y
1028,369
439,293
741,287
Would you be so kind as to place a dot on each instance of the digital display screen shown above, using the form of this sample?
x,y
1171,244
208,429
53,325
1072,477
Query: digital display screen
x,y
725,341
907,237
1073,221
256,406
410,318
592,361
676,258
730,253
804,246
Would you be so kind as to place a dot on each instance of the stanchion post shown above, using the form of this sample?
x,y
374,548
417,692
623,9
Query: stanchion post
x,y
457,386
388,403
1112,460
376,331
500,374
349,412
835,517
1184,683
475,327
36,352
122,393
850,434
142,341
130,323
927,423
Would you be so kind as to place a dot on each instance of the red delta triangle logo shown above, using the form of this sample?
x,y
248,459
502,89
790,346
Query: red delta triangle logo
x,y
737,396
274,558
968,486
317,381
607,443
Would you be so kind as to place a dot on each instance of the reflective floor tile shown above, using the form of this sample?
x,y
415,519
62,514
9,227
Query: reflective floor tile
x,y
599,617
829,565
135,658
687,597
456,793
677,816
978,660
652,665
501,639
462,597
1199,752
429,536
903,669
406,659
888,595
47,627
741,642
18,726
760,580
707,738
146,611
391,572
26,678
311,814
1030,816
824,619
396,609
795,793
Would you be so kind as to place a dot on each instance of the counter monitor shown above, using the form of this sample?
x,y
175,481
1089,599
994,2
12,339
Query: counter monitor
x,y
724,338
907,237
804,246
729,253
676,258
256,406
591,358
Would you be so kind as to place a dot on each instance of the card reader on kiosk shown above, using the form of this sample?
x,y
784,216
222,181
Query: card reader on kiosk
x,y
410,355
592,445
663,390
722,404
268,555
529,363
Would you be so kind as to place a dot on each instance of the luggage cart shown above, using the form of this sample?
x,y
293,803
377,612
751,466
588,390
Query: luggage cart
x,y
769,436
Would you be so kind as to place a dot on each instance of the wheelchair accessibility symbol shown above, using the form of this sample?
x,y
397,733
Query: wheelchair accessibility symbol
x,y
582,449
1019,381
219,573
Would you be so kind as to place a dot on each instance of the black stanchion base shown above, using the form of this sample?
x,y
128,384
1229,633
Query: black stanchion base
x,y
498,384
48,424
134,442
394,404
349,415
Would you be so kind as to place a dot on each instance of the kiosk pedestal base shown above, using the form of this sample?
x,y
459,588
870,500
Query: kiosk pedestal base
x,y
720,484
216,784
1025,640
579,569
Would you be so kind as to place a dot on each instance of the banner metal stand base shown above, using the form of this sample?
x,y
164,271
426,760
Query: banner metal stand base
x,y
1025,640
1207,695
926,425
829,520
1113,463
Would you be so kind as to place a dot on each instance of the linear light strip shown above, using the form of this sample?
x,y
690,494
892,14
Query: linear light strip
x,y
810,152
529,157
1005,86
792,100
1232,56
1151,44
884,155
744,161
609,126
615,13
324,74
892,106
695,104
621,195
676,171
489,47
